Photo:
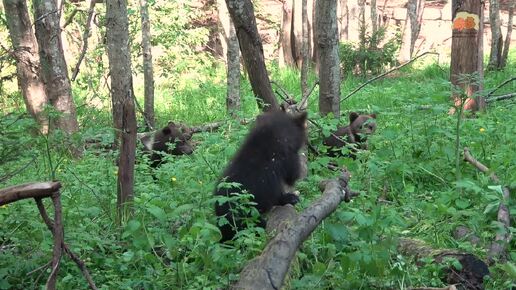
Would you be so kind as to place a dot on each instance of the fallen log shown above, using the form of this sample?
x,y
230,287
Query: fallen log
x,y
268,270
472,272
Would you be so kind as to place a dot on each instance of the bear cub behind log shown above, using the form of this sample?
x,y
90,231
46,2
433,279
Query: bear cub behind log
x,y
161,141
356,133
266,162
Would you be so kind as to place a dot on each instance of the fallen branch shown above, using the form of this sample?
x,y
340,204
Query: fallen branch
x,y
501,97
500,85
268,270
209,127
472,272
38,191
385,73
85,36
497,248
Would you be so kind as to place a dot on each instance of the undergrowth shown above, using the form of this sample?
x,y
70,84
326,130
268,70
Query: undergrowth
x,y
406,179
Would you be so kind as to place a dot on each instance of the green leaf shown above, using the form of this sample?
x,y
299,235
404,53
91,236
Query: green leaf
x,y
128,256
157,212
510,269
338,232
462,203
491,207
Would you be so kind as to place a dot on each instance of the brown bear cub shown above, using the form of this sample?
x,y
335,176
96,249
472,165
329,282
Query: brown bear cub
x,y
174,139
355,134
266,162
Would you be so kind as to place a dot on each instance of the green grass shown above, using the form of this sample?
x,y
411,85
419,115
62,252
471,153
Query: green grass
x,y
171,242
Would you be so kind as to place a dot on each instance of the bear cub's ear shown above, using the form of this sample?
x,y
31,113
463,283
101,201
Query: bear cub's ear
x,y
353,116
300,120
373,116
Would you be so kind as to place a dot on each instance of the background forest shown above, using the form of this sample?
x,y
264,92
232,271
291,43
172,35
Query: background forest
x,y
413,182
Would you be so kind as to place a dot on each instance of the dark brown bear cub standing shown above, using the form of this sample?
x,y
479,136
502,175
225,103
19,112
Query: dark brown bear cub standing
x,y
158,142
355,134
267,161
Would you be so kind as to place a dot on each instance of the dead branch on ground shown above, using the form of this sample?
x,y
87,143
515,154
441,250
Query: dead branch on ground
x,y
38,191
268,270
498,247
385,73
499,86
501,97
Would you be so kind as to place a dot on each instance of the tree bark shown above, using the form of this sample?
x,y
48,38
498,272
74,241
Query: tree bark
x,y
374,17
27,60
286,57
233,56
507,43
495,56
54,71
343,19
148,70
467,50
117,34
415,9
328,53
297,33
305,52
242,14
230,47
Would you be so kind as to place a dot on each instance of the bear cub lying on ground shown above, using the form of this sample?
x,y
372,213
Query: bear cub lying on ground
x,y
266,162
355,134
159,142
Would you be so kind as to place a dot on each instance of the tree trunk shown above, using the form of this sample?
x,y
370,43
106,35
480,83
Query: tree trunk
x,y
507,43
415,9
242,14
54,71
496,35
467,50
27,60
343,18
117,34
305,52
328,53
285,55
231,50
297,34
374,17
148,74
233,56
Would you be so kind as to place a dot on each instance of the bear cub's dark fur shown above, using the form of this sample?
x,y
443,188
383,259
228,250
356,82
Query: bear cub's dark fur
x,y
355,134
160,142
266,162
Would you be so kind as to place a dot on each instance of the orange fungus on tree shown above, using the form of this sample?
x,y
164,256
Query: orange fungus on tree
x,y
470,23
459,23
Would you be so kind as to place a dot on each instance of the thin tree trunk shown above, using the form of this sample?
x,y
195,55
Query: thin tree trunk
x,y
148,71
343,18
242,14
117,34
54,70
328,53
496,35
466,54
233,56
231,50
297,33
507,43
305,52
286,57
374,17
27,60
415,9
